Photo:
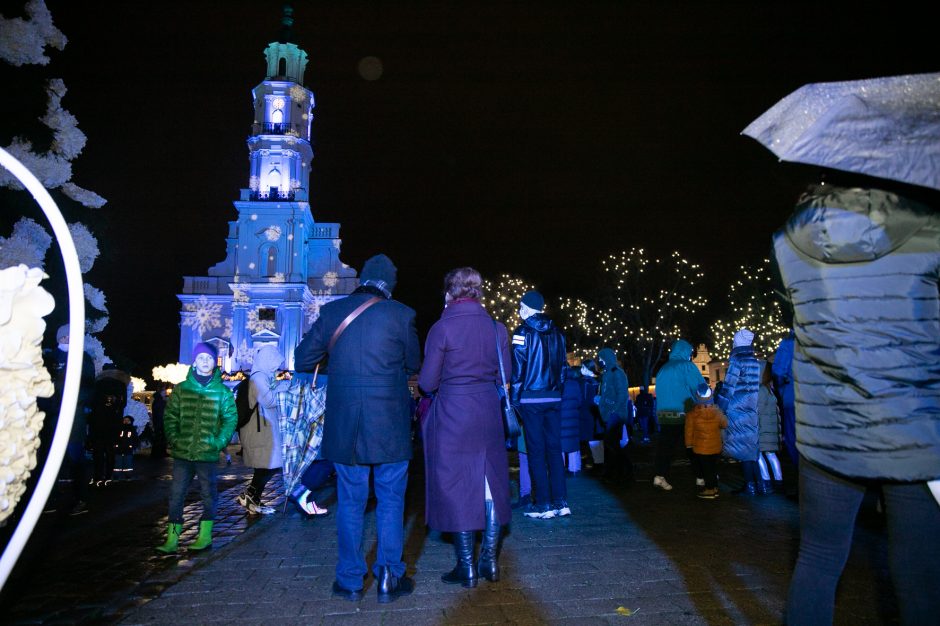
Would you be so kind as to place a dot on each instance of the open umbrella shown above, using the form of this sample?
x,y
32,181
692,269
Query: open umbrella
x,y
301,406
884,127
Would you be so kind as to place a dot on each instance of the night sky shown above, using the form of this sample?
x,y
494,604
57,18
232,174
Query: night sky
x,y
525,137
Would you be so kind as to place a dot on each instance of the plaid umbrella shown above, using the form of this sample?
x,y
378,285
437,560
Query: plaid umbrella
x,y
301,406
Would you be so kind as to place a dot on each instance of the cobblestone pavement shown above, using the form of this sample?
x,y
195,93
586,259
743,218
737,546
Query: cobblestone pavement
x,y
627,555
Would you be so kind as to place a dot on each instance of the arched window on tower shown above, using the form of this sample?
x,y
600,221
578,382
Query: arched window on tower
x,y
277,116
269,258
274,180
282,67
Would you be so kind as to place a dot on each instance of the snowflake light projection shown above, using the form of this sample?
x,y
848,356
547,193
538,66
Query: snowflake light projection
x,y
255,324
312,308
330,279
227,330
278,278
298,93
244,356
253,183
272,232
205,316
239,296
337,243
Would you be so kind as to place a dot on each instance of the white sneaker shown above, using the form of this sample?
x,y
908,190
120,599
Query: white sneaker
x,y
660,482
260,509
699,482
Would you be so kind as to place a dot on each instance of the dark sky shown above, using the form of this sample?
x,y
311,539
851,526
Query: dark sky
x,y
524,137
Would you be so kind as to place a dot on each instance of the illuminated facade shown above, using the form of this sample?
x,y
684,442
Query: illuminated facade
x,y
280,265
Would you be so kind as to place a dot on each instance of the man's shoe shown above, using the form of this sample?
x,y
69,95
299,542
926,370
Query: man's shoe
x,y
260,509
660,482
389,588
561,509
708,494
539,511
346,594
699,482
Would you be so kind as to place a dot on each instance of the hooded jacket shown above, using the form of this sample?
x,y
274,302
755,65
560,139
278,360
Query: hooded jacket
x,y
738,399
615,393
676,384
861,269
199,419
261,437
539,361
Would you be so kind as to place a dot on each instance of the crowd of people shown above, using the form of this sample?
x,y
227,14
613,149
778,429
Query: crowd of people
x,y
575,415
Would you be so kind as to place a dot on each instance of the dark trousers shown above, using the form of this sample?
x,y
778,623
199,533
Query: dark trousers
x,y
647,424
828,507
542,425
616,459
316,474
102,456
183,473
352,486
669,437
260,478
706,466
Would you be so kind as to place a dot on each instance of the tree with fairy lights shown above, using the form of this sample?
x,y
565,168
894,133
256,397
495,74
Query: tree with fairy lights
x,y
645,303
753,304
501,299
576,319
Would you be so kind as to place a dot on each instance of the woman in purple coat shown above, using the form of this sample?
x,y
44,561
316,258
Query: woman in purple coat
x,y
467,469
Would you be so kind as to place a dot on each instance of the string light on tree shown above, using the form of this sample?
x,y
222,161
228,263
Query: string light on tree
x,y
502,298
752,304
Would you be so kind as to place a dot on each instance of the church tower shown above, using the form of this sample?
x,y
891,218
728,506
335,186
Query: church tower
x,y
280,265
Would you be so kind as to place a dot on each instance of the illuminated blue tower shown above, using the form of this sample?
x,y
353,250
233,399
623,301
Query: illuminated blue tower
x,y
280,264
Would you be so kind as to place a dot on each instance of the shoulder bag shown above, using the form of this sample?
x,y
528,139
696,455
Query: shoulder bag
x,y
510,418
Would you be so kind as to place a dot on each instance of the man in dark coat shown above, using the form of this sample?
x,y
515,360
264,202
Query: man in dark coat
x,y
538,375
367,428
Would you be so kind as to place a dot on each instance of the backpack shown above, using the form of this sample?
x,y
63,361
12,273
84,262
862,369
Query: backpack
x,y
245,412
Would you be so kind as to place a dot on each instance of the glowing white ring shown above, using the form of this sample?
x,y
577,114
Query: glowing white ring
x,y
73,364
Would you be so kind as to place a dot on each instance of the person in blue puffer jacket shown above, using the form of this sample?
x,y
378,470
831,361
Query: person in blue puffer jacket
x,y
860,262
738,399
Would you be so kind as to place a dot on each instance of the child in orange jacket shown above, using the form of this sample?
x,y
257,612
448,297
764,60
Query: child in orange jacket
x,y
703,426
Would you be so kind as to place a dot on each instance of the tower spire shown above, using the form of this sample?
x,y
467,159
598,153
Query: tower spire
x,y
286,34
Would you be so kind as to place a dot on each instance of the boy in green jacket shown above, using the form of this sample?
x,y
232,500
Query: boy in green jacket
x,y
199,420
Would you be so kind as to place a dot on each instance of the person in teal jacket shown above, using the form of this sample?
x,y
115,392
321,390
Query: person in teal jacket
x,y
676,384
199,421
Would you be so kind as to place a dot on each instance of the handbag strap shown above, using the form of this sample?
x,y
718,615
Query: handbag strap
x,y
499,355
349,320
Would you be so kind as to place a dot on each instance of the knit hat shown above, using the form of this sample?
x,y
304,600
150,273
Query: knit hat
x,y
704,392
379,271
62,333
533,300
206,348
743,337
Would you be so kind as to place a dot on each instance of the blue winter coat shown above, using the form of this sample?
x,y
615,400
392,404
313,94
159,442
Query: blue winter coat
x,y
739,400
368,407
676,383
571,401
861,268
463,431
615,390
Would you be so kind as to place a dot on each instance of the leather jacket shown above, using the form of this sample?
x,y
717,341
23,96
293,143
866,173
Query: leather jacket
x,y
539,361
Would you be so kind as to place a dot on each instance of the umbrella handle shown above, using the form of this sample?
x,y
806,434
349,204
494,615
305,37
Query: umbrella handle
x,y
315,372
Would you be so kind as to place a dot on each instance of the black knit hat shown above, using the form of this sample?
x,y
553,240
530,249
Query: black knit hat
x,y
380,269
533,300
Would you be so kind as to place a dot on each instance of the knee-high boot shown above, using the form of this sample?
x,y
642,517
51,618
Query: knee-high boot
x,y
487,567
463,572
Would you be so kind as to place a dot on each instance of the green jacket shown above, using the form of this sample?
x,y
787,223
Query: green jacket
x,y
615,392
199,420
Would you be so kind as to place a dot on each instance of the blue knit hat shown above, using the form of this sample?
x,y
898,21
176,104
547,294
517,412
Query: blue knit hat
x,y
533,300
206,348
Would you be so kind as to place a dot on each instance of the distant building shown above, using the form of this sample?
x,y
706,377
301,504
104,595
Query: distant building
x,y
280,265
712,370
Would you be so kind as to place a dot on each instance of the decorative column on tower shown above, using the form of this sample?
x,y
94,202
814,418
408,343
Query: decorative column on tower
x,y
280,265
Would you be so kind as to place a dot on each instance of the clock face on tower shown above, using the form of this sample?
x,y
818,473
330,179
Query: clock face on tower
x,y
277,103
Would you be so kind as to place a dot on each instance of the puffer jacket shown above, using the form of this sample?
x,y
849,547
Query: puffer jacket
x,y
861,270
768,418
539,361
199,419
615,393
738,399
703,426
676,384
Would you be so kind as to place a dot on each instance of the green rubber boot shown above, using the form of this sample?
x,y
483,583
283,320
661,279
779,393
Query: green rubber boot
x,y
172,539
204,540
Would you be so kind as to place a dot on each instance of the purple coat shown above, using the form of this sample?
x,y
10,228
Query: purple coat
x,y
463,430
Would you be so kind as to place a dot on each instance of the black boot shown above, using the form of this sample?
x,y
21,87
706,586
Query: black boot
x,y
764,487
747,489
389,588
487,567
464,572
